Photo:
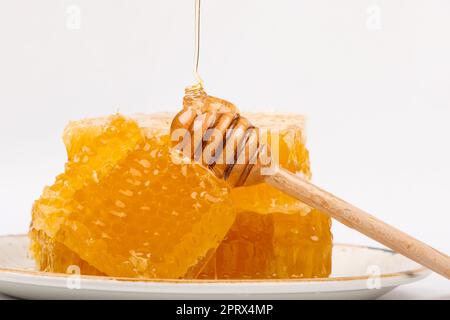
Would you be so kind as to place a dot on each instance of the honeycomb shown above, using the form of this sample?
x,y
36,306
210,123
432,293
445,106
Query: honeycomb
x,y
143,212
274,235
87,165
123,208
275,245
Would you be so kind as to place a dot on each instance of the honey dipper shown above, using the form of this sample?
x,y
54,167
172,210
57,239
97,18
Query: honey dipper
x,y
215,120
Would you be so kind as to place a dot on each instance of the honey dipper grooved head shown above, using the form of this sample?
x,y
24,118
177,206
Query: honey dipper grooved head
x,y
211,131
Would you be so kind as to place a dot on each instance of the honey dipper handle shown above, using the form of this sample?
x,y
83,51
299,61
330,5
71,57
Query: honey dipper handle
x,y
361,221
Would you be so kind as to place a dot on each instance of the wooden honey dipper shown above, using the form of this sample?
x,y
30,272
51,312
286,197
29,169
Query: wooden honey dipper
x,y
221,129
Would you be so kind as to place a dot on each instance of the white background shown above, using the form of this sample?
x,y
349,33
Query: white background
x,y
373,77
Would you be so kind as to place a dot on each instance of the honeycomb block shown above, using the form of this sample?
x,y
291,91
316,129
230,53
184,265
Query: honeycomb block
x,y
87,165
273,246
141,212
274,235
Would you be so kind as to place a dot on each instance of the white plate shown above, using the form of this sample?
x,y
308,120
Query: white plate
x,y
358,273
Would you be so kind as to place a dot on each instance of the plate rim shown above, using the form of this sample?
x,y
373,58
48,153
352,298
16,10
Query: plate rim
x,y
420,271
